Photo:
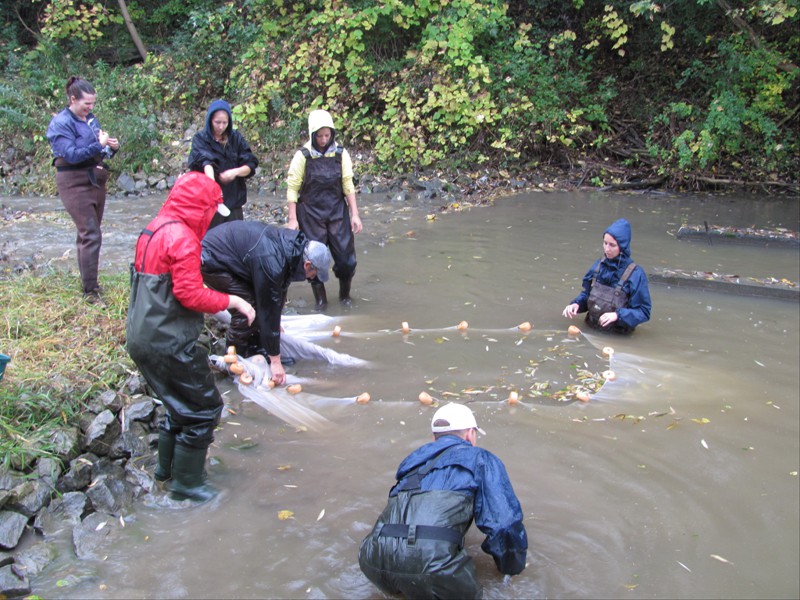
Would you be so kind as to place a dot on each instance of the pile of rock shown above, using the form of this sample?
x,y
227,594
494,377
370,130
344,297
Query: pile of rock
x,y
84,490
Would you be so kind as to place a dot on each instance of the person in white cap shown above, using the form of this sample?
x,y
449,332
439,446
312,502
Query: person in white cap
x,y
322,203
165,320
258,262
417,545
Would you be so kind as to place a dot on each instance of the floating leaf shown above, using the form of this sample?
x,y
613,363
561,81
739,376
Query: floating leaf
x,y
702,421
321,514
101,525
703,442
284,467
285,514
684,566
721,559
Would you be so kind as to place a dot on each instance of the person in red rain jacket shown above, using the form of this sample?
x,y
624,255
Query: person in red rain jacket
x,y
165,319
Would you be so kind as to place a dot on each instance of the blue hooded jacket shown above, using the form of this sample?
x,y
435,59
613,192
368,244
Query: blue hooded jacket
x,y
234,153
478,473
637,311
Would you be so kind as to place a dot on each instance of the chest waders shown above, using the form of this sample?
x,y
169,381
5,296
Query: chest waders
x,y
323,215
417,545
606,298
162,340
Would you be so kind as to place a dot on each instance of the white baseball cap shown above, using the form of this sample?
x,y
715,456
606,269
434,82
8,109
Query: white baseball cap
x,y
454,417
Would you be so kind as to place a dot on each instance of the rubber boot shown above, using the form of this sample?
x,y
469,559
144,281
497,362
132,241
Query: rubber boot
x,y
166,450
344,291
188,479
320,296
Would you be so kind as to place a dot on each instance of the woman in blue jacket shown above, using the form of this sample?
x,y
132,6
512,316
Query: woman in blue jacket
x,y
79,148
222,153
615,293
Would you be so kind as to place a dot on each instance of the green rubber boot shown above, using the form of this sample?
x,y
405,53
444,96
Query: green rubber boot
x,y
166,450
188,480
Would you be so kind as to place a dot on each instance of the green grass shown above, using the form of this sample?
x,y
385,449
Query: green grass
x,y
63,352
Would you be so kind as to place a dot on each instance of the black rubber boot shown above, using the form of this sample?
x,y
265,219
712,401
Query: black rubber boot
x,y
166,450
188,480
344,291
320,296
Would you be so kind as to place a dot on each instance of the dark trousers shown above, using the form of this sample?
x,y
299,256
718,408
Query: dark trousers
x,y
85,201
245,337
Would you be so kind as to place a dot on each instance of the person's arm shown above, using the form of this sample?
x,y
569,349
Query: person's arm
x,y
637,310
269,307
580,303
294,181
246,159
349,191
498,514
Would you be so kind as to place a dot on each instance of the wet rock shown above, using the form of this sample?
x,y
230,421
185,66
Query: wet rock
x,y
126,183
4,497
30,497
140,411
62,513
140,480
13,582
101,433
128,444
49,470
110,495
79,474
135,384
109,400
66,444
9,479
95,533
12,526
34,560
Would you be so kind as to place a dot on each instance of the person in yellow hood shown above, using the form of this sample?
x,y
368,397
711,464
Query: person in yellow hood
x,y
322,202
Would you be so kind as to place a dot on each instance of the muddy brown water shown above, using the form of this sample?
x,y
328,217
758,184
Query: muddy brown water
x,y
678,480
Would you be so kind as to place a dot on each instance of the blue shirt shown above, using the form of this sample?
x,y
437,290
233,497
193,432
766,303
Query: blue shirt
x,y
75,140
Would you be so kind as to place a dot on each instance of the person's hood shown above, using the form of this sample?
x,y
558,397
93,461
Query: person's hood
x,y
214,107
620,230
193,200
317,119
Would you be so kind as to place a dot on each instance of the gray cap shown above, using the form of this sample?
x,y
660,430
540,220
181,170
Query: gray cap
x,y
320,257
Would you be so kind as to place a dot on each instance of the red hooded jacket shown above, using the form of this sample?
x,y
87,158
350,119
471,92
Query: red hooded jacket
x,y
175,249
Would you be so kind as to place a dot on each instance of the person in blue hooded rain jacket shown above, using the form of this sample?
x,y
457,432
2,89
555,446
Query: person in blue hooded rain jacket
x,y
615,295
222,153
416,547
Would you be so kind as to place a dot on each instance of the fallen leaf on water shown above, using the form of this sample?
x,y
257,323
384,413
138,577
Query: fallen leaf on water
x,y
758,363
121,521
321,514
684,566
703,442
289,485
672,425
284,467
702,421
101,525
301,429
285,514
721,559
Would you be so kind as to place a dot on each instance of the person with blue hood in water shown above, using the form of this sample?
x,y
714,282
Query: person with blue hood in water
x,y
615,295
322,202
222,153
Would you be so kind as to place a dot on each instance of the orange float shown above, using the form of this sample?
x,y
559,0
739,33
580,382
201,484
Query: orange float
x,y
295,388
425,398
526,326
583,395
573,330
236,369
363,398
463,326
609,375
336,331
513,398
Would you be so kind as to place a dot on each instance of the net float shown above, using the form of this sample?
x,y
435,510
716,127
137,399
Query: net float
x,y
609,375
513,398
295,388
525,326
336,331
246,378
425,398
363,398
573,330
404,327
463,326
231,349
236,369
608,351
230,358
583,395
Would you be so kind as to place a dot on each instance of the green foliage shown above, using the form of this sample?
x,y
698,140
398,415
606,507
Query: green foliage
x,y
83,21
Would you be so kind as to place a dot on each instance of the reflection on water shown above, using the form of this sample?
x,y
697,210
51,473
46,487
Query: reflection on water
x,y
678,480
